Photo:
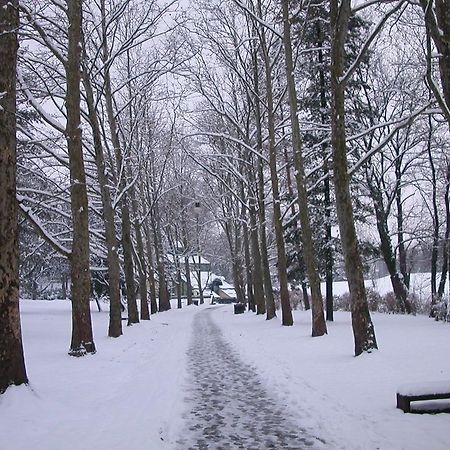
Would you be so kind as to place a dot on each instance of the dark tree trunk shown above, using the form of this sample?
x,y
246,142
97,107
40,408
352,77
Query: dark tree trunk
x,y
258,277
319,327
12,364
187,269
435,209
402,253
248,270
151,270
263,292
363,330
141,262
286,312
127,245
164,298
446,246
305,296
187,266
133,315
398,286
329,262
234,245
115,310
82,338
437,19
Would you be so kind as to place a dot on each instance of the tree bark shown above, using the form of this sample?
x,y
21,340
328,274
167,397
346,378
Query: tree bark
x,y
286,312
133,315
437,19
319,327
164,299
435,209
112,259
363,330
267,302
82,337
141,263
398,286
446,246
151,270
12,363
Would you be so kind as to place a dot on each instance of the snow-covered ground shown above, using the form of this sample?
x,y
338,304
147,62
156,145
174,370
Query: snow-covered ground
x,y
419,285
130,395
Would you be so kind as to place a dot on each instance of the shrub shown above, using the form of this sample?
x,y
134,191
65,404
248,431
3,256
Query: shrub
x,y
342,302
296,299
373,299
441,310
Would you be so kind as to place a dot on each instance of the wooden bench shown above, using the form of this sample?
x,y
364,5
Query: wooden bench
x,y
438,390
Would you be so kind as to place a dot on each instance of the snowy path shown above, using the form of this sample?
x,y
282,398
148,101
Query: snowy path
x,y
229,407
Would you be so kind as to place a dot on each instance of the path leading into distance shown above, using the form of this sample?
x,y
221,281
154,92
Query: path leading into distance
x,y
229,407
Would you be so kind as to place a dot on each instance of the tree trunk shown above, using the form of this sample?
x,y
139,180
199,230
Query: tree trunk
x,y
398,286
435,209
133,316
82,338
324,118
248,270
286,311
319,327
141,263
402,254
446,246
151,270
12,364
164,298
363,330
115,307
268,301
187,267
258,277
437,19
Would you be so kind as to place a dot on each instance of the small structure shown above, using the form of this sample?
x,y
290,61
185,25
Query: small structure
x,y
424,392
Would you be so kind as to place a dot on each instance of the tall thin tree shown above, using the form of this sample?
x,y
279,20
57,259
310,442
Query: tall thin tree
x,y
12,364
363,330
82,337
319,327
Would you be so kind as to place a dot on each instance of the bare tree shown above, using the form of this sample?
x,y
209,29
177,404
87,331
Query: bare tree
x,y
82,338
363,330
319,327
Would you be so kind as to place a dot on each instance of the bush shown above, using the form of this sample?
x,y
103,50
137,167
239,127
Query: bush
x,y
373,299
441,310
384,304
342,302
296,298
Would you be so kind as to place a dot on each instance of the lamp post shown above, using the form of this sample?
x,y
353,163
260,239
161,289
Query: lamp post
x,y
197,211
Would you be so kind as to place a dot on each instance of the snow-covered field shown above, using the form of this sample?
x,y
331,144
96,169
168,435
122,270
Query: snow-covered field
x,y
419,285
130,395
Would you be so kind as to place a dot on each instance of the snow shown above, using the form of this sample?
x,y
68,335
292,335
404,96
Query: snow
x,y
130,394
419,285
436,387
